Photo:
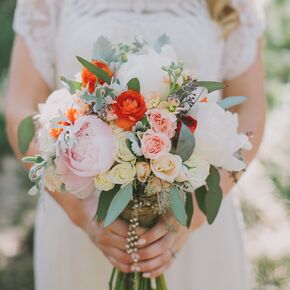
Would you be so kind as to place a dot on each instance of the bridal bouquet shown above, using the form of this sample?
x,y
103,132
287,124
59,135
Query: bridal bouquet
x,y
140,131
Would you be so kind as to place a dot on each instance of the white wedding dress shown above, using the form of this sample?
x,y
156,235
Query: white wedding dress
x,y
55,31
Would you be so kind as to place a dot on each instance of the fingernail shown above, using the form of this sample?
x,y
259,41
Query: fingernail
x,y
135,268
141,242
135,257
146,275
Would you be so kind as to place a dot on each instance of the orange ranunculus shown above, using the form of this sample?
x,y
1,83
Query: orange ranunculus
x,y
91,79
72,115
130,108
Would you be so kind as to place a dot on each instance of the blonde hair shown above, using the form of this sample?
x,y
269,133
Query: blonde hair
x,y
224,14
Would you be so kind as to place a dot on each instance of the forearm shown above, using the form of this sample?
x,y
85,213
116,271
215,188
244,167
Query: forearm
x,y
252,113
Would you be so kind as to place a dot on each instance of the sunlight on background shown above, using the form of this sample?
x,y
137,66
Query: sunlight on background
x,y
264,192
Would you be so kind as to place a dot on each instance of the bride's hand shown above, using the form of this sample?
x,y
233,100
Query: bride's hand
x,y
159,245
111,241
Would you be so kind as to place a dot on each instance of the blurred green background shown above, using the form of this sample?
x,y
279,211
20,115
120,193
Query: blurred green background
x,y
266,211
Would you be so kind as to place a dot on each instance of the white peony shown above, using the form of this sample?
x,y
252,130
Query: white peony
x,y
148,69
217,137
58,101
198,171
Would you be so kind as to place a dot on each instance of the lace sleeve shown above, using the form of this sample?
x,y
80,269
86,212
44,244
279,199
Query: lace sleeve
x,y
34,21
241,45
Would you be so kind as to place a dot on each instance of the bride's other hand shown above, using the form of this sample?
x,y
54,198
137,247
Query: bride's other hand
x,y
159,246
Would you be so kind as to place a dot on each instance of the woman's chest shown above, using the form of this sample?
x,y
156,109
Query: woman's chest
x,y
195,37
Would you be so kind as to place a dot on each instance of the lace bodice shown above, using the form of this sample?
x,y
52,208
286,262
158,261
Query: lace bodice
x,y
57,30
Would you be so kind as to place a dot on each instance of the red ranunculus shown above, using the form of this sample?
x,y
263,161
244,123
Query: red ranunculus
x,y
130,108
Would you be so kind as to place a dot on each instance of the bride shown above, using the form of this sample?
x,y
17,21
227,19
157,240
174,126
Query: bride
x,y
221,41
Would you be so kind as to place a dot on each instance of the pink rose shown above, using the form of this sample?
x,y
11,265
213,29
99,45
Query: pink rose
x,y
91,154
161,120
154,145
167,168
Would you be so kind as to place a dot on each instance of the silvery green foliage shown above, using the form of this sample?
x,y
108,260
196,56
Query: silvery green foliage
x,y
104,50
161,41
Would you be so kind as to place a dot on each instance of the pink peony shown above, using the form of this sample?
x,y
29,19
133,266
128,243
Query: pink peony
x,y
161,120
154,145
91,154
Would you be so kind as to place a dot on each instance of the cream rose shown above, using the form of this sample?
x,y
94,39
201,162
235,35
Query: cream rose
x,y
167,167
123,173
103,182
143,171
123,153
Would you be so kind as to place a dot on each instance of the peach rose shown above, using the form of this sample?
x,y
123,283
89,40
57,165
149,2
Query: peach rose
x,y
167,167
143,171
161,120
154,145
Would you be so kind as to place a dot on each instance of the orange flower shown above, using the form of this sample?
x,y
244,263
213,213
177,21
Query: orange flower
x,y
72,115
130,108
91,79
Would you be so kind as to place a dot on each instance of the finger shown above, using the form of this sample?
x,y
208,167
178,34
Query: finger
x,y
121,267
157,272
152,264
119,227
154,234
118,255
157,248
108,238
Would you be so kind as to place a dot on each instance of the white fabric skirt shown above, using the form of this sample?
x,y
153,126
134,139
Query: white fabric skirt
x,y
213,259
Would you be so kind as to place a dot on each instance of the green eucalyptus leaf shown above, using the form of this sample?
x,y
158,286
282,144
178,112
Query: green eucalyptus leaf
x,y
185,144
105,200
119,203
178,206
211,86
189,208
213,201
134,85
229,102
26,132
98,72
200,195
213,180
104,50
73,86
